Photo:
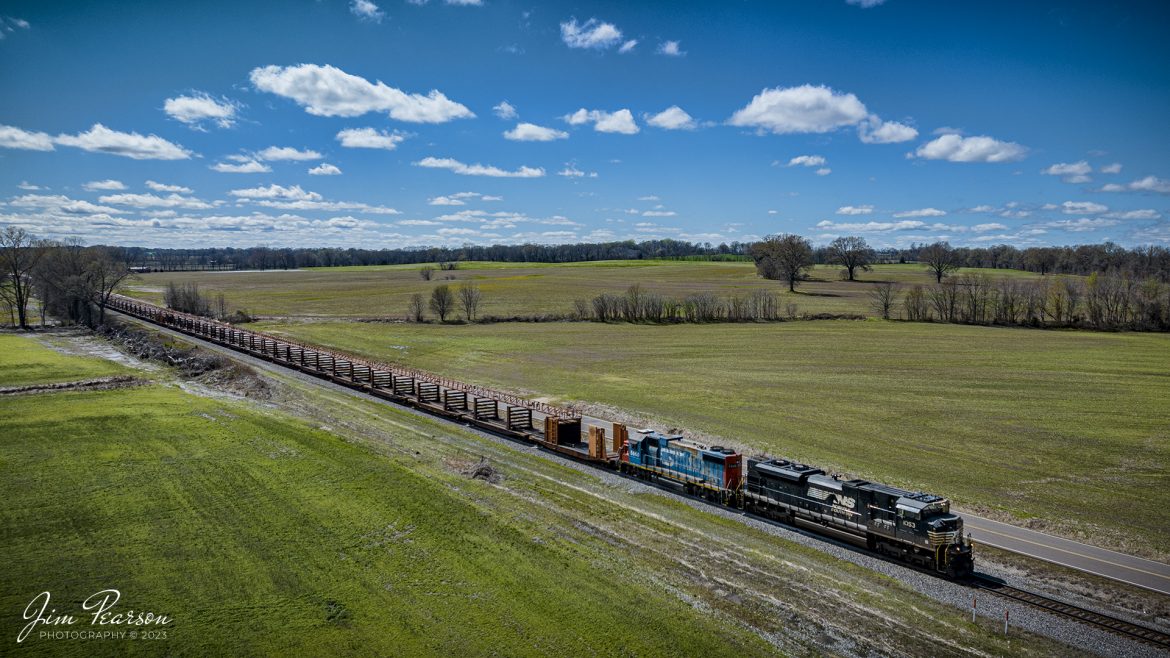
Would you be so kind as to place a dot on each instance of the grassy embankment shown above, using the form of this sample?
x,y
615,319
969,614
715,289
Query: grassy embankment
x,y
260,533
26,361
517,289
1066,429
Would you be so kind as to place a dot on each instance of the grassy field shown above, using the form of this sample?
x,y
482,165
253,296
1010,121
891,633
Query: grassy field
x,y
25,360
1070,430
522,289
260,533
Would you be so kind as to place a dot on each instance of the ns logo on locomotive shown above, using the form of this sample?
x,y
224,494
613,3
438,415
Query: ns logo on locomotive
x,y
916,527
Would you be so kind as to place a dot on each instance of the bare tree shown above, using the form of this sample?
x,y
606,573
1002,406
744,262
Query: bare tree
x,y
19,253
469,298
852,253
426,272
107,274
442,301
417,307
940,259
883,297
783,257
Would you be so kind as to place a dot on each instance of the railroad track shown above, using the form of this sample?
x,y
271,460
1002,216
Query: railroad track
x,y
1112,624
269,348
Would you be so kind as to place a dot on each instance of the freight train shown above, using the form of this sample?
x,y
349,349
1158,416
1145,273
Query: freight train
x,y
912,526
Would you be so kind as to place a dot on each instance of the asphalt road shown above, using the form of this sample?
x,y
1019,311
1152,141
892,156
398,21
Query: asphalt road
x,y
1065,552
1102,562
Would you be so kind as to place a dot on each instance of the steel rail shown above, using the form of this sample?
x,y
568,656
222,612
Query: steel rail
x,y
1114,625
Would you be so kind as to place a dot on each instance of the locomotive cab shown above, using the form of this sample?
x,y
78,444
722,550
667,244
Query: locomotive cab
x,y
926,520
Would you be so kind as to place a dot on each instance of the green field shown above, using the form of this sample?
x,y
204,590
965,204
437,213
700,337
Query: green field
x,y
24,360
263,534
522,289
1067,430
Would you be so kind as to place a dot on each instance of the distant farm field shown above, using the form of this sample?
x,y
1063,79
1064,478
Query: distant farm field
x,y
523,289
1069,429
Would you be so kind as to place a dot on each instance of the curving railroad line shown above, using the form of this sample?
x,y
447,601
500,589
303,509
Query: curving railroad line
x,y
1114,625
383,381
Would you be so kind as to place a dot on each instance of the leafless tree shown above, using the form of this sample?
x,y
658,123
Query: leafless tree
x,y
417,307
107,274
426,272
442,301
469,298
783,257
852,253
883,297
940,259
19,253
914,307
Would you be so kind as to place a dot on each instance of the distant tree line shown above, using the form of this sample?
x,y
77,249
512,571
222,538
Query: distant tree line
x,y
266,258
1146,261
643,306
1100,301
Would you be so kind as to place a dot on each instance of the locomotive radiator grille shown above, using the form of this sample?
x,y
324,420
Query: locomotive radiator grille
x,y
942,538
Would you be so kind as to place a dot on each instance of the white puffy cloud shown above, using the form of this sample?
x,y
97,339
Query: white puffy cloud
x,y
59,203
803,109
369,138
1074,172
325,169
621,121
855,210
824,171
161,187
956,148
921,212
670,49
458,167
530,132
366,10
865,4
328,91
100,139
875,131
1147,213
155,201
658,213
12,137
25,185
199,107
1082,225
275,191
109,184
571,171
1082,208
1114,168
287,153
590,34
1147,184
628,46
505,111
993,226
807,161
672,118
331,206
244,166
876,227
465,3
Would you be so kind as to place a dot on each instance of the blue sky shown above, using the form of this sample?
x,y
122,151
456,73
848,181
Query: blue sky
x,y
391,123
